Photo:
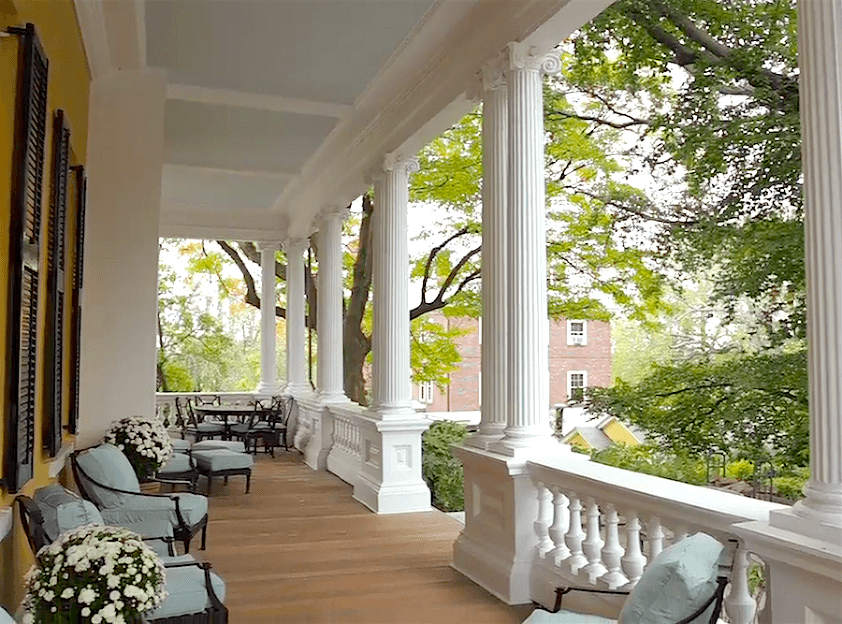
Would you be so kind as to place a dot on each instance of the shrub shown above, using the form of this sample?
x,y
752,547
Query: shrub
x,y
442,472
741,469
650,459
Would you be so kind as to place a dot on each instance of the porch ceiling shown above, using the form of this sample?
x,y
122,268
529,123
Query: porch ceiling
x,y
278,109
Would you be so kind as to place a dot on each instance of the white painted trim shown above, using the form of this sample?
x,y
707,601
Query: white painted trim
x,y
91,17
570,341
286,175
258,101
570,374
60,461
6,521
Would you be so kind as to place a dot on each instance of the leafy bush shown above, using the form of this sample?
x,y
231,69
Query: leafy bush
x,y
442,472
740,469
650,459
789,487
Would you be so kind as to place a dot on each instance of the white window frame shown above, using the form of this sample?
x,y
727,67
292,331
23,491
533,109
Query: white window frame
x,y
577,339
584,385
425,392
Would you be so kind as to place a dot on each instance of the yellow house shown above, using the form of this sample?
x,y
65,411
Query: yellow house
x,y
607,432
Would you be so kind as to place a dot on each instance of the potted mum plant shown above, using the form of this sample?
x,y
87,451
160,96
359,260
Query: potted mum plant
x,y
146,443
94,574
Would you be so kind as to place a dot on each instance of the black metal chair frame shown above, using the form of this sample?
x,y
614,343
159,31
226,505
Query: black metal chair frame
x,y
191,425
189,477
277,417
183,532
717,597
231,472
217,613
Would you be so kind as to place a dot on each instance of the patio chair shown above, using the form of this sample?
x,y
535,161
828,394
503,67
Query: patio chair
x,y
180,469
193,426
106,478
194,594
685,584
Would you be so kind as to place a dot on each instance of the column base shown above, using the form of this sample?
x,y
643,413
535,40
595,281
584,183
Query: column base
x,y
483,440
804,559
530,446
390,478
266,389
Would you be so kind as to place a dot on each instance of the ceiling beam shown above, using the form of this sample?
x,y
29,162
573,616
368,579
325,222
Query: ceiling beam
x,y
242,99
284,175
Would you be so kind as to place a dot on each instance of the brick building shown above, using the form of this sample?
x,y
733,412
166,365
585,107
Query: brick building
x,y
579,355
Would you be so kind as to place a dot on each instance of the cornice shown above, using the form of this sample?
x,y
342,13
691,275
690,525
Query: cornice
x,y
91,17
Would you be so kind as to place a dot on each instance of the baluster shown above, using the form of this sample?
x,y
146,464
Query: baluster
x,y
612,552
679,532
559,526
575,535
633,560
542,524
739,605
655,537
593,544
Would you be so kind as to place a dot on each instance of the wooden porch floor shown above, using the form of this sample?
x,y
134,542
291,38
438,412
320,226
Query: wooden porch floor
x,y
299,548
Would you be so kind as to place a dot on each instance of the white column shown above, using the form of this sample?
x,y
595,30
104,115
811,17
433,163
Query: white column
x,y
268,358
820,62
801,545
390,478
125,160
495,364
391,386
528,423
330,378
296,330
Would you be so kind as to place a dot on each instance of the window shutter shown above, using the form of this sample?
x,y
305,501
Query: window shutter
x,y
55,286
76,310
24,230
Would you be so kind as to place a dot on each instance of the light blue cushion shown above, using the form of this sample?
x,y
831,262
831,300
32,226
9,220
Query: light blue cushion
x,y
676,584
230,445
180,446
187,593
63,510
107,465
222,459
5,618
177,463
540,616
154,516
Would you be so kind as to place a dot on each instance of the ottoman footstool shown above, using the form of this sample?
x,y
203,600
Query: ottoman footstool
x,y
223,463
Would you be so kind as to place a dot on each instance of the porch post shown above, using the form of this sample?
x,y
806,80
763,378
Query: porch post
x,y
528,423
268,359
390,477
495,364
801,545
330,377
296,365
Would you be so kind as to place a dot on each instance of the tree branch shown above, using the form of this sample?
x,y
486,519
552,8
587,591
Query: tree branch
x,y
251,296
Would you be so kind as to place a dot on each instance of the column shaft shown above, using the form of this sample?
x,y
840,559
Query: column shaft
x,y
495,364
391,387
268,358
528,359
296,362
330,380
820,62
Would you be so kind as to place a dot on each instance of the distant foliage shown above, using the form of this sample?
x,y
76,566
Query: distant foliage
x,y
651,459
442,472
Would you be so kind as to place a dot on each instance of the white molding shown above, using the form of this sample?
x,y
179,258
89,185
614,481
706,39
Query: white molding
x,y
258,101
6,520
91,17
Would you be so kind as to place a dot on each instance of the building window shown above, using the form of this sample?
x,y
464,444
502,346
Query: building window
x,y
425,392
577,333
577,381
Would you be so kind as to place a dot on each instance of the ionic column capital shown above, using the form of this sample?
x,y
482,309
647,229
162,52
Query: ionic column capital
x,y
393,163
295,245
338,212
522,56
270,246
490,77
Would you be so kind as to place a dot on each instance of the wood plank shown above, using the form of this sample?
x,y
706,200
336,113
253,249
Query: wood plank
x,y
300,549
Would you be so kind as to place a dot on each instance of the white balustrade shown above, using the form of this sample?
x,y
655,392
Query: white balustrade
x,y
628,516
344,458
165,401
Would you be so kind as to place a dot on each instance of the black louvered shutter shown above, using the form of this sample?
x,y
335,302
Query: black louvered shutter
x,y
25,225
54,360
76,311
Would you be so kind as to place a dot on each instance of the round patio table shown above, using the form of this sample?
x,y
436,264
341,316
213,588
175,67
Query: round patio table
x,y
225,411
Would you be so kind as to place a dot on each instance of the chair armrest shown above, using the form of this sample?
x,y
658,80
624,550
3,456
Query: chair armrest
x,y
561,591
204,565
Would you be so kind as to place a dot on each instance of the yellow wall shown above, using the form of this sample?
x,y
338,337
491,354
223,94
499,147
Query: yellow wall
x,y
579,441
69,80
620,434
